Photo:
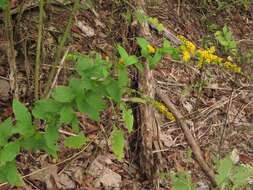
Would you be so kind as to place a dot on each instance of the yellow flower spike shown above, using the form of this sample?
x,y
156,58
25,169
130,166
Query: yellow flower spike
x,y
191,47
186,56
151,49
164,110
232,67
121,61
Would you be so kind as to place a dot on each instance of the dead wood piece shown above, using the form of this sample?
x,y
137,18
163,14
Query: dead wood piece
x,y
150,163
190,139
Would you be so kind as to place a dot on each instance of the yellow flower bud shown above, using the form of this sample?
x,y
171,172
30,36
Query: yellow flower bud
x,y
151,49
186,56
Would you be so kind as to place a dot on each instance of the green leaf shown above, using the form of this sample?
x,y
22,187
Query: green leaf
x,y
75,124
117,142
75,141
131,60
123,53
241,175
182,181
66,114
84,63
10,174
63,94
5,131
155,60
95,100
21,113
123,77
224,170
114,91
51,137
26,130
9,152
143,43
129,119
84,107
46,108
3,4
35,142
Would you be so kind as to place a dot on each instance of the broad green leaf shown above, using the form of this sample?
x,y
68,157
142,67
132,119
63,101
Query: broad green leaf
x,y
26,130
9,173
63,94
5,131
155,60
131,60
182,181
51,137
9,152
75,141
129,119
84,107
241,175
84,63
66,114
117,142
224,170
77,86
114,91
35,142
123,53
46,108
95,100
123,77
21,113
12,174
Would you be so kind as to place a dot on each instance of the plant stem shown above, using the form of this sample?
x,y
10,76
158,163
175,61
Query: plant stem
x,y
10,49
60,47
38,51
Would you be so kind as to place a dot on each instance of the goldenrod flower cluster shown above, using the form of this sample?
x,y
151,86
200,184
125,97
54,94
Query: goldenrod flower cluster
x,y
207,56
232,67
151,49
121,61
164,110
188,49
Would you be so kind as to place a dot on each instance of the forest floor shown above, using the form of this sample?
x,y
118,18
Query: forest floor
x,y
211,101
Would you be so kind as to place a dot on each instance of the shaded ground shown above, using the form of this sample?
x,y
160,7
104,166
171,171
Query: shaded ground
x,y
227,99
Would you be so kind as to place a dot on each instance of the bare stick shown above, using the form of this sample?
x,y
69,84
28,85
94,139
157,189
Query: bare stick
x,y
38,51
57,73
11,53
190,139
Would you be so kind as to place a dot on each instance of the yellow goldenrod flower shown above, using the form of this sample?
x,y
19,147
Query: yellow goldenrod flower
x,y
186,56
232,67
151,49
188,44
121,61
164,110
212,49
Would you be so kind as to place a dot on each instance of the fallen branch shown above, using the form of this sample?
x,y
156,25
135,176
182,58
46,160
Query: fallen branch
x,y
190,139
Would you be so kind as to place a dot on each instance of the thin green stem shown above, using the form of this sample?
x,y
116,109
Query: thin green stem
x,y
60,47
38,51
